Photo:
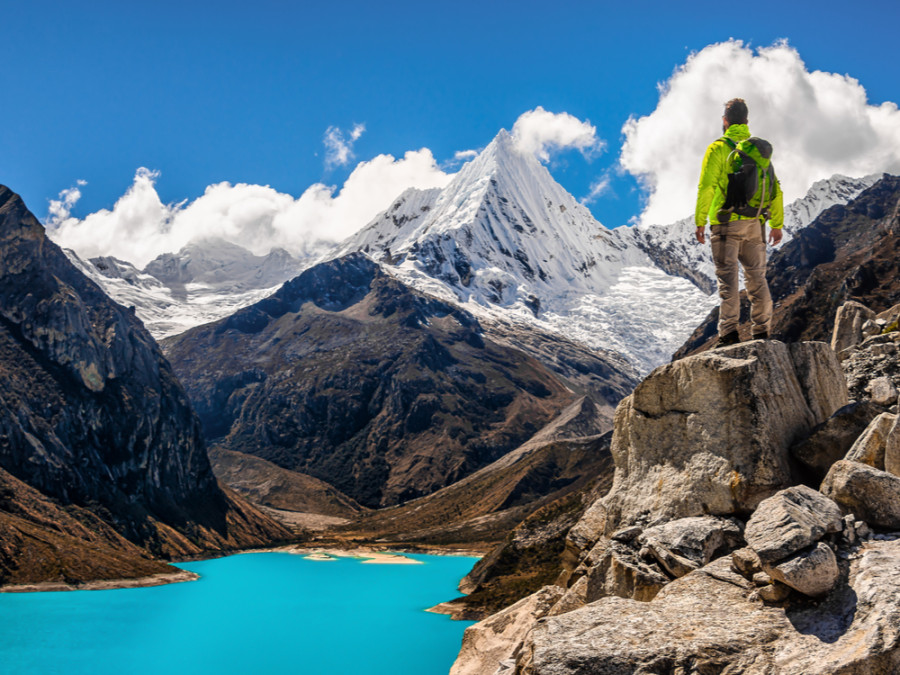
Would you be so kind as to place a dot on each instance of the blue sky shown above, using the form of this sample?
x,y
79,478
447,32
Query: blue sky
x,y
244,92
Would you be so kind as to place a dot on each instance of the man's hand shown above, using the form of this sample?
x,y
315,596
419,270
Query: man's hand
x,y
775,236
700,233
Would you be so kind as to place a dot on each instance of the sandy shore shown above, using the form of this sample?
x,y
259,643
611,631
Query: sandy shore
x,y
109,584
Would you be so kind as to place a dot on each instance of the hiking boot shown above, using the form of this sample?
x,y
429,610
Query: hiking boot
x,y
731,338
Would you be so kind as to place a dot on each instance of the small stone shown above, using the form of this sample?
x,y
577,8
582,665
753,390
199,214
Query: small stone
x,y
813,572
870,328
774,592
745,562
762,579
882,391
863,531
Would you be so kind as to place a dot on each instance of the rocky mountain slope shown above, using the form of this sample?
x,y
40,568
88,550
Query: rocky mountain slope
x,y
93,421
483,507
848,252
348,375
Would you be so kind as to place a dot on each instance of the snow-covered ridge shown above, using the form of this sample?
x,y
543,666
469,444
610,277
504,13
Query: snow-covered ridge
x,y
207,280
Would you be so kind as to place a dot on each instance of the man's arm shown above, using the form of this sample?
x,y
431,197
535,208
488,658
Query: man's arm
x,y
776,220
709,177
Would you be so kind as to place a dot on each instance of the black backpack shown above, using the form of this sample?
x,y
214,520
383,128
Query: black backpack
x,y
751,180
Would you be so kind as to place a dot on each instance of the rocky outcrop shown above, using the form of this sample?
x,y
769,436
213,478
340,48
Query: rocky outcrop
x,y
872,369
710,434
852,323
91,414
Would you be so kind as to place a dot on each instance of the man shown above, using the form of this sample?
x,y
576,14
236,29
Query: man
x,y
741,239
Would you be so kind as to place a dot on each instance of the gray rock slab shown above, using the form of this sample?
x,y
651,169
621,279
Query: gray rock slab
x,y
496,639
892,449
789,521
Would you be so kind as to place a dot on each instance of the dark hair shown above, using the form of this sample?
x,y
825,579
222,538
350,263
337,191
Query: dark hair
x,y
736,111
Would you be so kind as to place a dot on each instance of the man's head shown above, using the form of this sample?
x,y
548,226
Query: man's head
x,y
735,112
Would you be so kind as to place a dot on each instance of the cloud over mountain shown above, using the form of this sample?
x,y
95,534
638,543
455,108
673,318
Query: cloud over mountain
x,y
819,123
541,132
140,226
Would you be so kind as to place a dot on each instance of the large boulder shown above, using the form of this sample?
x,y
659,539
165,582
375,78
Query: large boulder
x,y
710,434
790,521
869,448
707,622
870,494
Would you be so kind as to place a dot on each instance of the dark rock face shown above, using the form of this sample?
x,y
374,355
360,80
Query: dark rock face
x,y
91,413
850,252
348,375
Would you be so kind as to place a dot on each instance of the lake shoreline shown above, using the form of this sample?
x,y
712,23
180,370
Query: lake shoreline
x,y
366,555
161,579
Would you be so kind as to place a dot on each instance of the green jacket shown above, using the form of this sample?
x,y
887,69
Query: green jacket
x,y
714,182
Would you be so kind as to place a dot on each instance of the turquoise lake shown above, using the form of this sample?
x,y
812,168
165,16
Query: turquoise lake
x,y
253,613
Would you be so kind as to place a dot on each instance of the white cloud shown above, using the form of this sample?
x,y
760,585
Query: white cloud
x,y
140,226
339,146
598,188
60,209
465,155
819,124
541,132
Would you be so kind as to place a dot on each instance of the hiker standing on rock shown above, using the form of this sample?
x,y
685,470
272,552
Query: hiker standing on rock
x,y
738,193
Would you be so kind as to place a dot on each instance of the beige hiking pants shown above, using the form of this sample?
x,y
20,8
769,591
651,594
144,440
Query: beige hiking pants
x,y
742,241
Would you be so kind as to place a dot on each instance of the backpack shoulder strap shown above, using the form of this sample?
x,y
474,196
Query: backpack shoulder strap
x,y
730,143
